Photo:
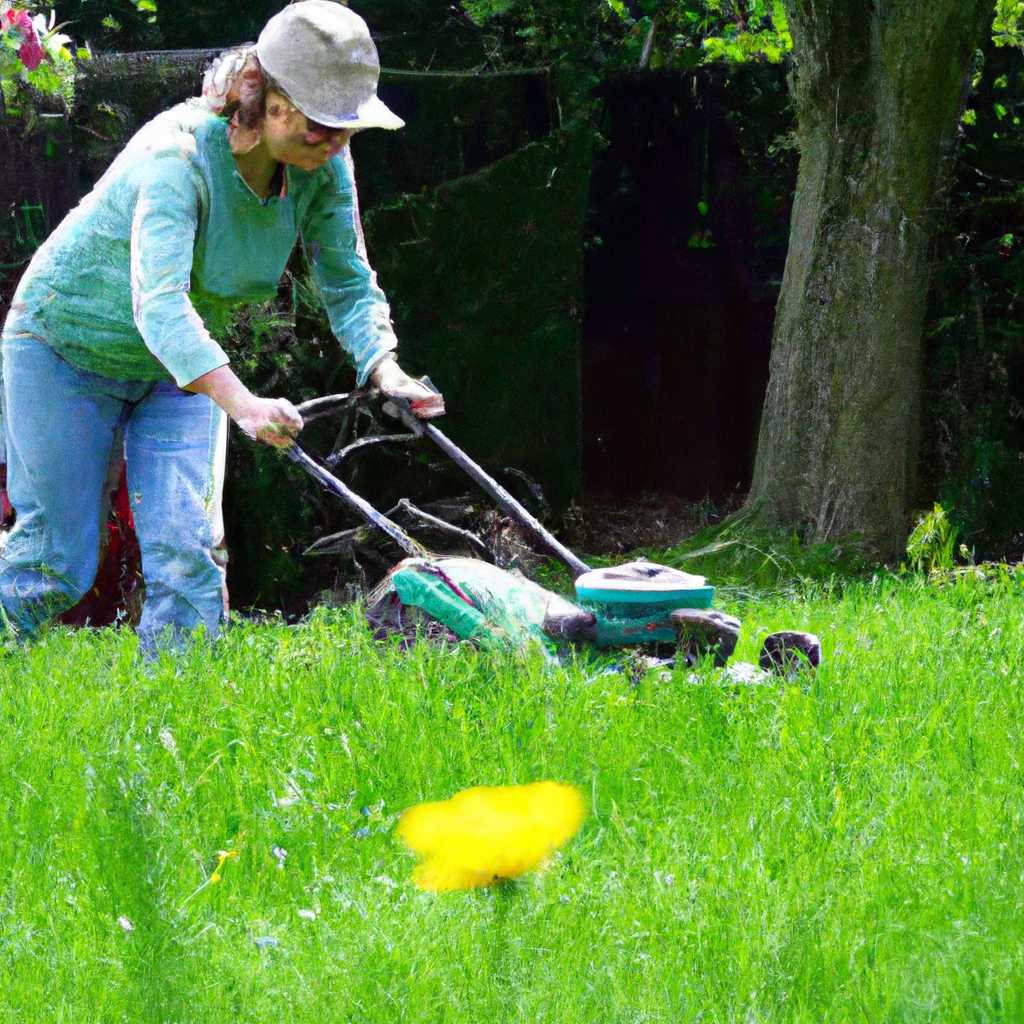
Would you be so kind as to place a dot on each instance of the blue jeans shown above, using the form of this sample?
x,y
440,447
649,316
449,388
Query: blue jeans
x,y
60,425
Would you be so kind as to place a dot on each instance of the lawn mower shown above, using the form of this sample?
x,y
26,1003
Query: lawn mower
x,y
639,603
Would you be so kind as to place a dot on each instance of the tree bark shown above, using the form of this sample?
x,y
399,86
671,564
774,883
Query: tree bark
x,y
879,87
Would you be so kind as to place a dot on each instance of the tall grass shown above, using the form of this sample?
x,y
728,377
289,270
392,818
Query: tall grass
x,y
845,850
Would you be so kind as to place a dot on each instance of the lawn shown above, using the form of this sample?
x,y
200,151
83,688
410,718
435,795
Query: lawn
x,y
843,850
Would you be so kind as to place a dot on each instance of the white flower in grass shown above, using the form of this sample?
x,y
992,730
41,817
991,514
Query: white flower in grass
x,y
745,674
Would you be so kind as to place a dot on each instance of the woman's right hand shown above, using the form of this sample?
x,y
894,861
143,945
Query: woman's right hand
x,y
274,421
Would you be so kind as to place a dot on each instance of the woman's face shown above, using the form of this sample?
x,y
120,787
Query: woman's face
x,y
292,138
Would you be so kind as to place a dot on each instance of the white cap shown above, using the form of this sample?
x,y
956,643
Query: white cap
x,y
322,56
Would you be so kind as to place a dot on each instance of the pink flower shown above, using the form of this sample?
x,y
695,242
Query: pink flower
x,y
31,51
20,22
19,18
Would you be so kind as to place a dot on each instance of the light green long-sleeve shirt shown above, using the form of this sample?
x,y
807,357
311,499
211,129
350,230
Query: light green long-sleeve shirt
x,y
172,236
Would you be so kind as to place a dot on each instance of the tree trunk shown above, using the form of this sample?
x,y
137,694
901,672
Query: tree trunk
x,y
879,86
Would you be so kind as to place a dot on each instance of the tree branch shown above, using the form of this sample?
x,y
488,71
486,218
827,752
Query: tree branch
x,y
405,505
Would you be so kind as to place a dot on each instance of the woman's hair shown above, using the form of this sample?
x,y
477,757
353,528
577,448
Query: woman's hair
x,y
247,97
236,86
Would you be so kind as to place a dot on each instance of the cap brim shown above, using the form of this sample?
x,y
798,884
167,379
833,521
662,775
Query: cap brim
x,y
374,113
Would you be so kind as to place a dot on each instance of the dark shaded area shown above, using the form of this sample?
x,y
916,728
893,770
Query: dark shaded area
x,y
972,456
409,33
454,125
40,184
486,280
682,274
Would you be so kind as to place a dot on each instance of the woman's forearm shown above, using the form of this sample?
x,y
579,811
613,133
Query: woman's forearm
x,y
224,387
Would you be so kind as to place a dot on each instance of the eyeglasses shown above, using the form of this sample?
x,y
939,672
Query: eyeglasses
x,y
316,132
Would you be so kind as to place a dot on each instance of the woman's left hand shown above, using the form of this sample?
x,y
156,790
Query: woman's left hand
x,y
396,383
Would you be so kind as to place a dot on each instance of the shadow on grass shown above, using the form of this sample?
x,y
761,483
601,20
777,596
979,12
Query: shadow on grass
x,y
131,866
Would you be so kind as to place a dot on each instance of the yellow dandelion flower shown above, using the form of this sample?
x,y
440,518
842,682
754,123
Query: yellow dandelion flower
x,y
490,833
222,856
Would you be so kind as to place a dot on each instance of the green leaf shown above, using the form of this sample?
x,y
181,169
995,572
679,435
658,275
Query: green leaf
x,y
480,11
45,79
763,35
112,23
145,5
1006,26
932,543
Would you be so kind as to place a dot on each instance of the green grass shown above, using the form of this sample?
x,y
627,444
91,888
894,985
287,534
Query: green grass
x,y
846,851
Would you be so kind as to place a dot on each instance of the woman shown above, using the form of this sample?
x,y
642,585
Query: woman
x,y
109,330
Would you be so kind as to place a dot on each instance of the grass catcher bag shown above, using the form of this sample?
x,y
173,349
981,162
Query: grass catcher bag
x,y
467,599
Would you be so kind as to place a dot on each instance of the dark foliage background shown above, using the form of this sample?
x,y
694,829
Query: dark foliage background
x,y
973,409
410,33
